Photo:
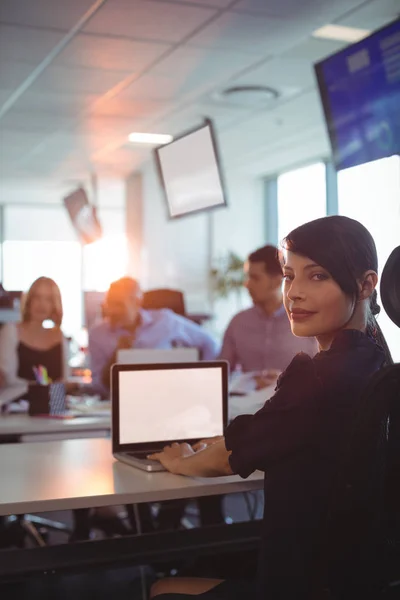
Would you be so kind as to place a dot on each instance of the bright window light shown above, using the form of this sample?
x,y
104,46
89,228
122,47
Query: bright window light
x,y
104,261
150,138
341,33
301,197
360,189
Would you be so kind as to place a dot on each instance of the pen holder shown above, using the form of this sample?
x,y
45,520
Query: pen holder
x,y
46,399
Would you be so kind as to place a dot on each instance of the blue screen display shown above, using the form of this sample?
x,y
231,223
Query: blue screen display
x,y
360,90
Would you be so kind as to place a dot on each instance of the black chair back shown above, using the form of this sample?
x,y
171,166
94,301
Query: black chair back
x,y
366,496
164,298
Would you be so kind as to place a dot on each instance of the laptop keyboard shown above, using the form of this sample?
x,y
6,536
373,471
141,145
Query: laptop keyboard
x,y
141,453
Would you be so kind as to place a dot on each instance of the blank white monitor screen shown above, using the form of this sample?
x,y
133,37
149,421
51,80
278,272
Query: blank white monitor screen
x,y
190,173
170,404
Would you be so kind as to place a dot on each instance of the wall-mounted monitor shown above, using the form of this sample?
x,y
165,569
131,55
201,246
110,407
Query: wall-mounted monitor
x,y
360,91
83,216
190,172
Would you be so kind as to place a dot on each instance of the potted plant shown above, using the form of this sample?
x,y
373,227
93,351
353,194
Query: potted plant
x,y
228,276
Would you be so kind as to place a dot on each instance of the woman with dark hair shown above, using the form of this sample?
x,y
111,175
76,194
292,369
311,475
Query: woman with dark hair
x,y
330,271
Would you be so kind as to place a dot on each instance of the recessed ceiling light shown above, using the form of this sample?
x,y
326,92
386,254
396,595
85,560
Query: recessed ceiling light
x,y
341,33
150,138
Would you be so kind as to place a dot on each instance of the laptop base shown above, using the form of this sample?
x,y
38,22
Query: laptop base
x,y
151,466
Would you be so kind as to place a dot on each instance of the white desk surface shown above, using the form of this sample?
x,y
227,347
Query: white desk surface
x,y
83,473
39,428
24,425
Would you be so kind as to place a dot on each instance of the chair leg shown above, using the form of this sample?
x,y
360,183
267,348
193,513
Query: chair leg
x,y
81,528
211,510
143,514
32,532
48,523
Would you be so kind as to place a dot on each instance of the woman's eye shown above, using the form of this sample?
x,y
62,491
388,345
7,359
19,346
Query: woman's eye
x,y
287,277
319,277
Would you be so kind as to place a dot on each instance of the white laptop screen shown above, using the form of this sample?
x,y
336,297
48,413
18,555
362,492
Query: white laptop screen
x,y
170,404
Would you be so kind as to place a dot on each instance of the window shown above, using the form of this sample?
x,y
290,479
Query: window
x,y
23,262
370,193
103,262
41,241
301,197
106,260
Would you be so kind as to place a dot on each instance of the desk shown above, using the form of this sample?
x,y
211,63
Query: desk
x,y
83,474
22,428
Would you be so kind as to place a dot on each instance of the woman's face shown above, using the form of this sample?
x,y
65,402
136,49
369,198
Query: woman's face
x,y
41,306
314,302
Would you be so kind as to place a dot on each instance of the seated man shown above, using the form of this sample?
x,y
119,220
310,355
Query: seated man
x,y
259,339
127,325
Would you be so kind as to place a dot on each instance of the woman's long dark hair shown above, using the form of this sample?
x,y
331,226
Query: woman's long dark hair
x,y
346,249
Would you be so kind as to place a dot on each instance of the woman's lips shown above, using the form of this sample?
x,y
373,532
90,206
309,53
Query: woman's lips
x,y
301,315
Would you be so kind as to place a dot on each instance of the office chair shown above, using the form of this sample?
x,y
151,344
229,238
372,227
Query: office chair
x,y
359,511
15,530
165,298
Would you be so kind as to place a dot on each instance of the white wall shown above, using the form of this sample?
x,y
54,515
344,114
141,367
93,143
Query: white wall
x,y
179,253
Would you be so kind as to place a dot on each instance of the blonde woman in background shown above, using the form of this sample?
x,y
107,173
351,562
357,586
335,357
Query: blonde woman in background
x,y
29,344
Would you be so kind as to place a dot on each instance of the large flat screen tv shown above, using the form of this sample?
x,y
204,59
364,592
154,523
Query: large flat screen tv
x,y
360,91
190,172
83,216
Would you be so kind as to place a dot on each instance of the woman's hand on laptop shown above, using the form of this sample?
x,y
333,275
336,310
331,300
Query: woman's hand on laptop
x,y
207,442
208,461
171,456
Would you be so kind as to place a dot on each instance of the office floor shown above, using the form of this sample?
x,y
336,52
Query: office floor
x,y
121,583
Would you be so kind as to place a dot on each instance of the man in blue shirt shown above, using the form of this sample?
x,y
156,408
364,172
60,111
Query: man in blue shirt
x,y
128,325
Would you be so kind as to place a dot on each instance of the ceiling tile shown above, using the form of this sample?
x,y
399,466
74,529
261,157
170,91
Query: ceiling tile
x,y
255,35
27,45
314,10
148,20
123,155
191,65
110,53
106,126
125,107
187,72
313,50
266,128
220,4
15,143
155,87
12,73
43,13
373,15
54,104
60,79
192,116
33,121
280,73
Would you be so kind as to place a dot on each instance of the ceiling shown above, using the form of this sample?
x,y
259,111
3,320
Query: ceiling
x,y
77,77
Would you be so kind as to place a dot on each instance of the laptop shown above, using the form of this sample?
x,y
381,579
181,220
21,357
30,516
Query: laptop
x,y
154,405
135,356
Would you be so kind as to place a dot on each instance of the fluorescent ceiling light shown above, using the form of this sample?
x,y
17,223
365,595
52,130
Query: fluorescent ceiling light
x,y
150,138
341,33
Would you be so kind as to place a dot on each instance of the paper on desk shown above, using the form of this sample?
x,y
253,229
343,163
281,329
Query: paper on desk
x,y
88,406
12,392
243,383
249,404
